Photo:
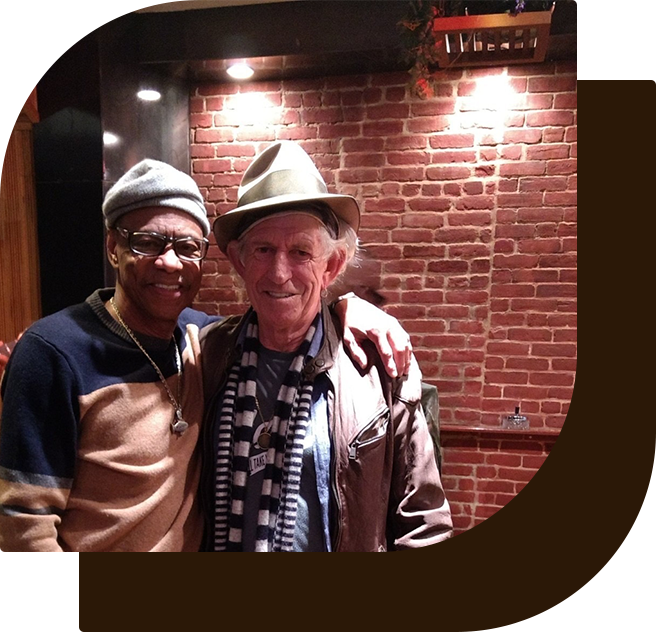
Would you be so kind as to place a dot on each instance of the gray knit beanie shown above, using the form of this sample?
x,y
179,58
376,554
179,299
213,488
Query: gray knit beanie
x,y
154,183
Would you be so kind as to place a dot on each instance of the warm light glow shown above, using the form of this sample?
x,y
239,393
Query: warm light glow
x,y
494,93
240,70
149,95
110,139
251,108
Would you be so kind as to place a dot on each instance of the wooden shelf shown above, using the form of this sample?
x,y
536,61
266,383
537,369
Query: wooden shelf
x,y
497,431
493,39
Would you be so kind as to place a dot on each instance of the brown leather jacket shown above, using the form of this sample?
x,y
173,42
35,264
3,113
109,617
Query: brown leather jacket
x,y
386,489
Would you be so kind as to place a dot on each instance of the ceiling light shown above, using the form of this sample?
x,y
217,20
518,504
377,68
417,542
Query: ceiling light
x,y
149,95
110,139
240,70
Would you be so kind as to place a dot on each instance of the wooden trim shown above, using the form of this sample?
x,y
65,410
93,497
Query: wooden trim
x,y
498,431
20,299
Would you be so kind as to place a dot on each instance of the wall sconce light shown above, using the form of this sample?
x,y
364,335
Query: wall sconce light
x,y
240,70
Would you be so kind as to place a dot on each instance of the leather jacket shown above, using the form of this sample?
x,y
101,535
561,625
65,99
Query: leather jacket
x,y
386,488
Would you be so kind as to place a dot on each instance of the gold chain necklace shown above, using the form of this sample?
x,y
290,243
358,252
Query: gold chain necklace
x,y
178,425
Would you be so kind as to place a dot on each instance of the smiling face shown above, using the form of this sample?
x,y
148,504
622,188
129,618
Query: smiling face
x,y
284,263
152,291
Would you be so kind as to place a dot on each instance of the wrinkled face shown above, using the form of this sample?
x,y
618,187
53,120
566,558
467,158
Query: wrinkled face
x,y
285,268
153,290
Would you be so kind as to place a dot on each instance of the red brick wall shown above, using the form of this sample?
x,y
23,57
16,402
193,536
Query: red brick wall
x,y
470,214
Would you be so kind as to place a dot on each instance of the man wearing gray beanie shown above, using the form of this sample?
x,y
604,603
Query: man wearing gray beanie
x,y
152,183
103,401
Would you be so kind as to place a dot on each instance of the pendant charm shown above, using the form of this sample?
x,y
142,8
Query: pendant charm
x,y
263,440
262,436
178,425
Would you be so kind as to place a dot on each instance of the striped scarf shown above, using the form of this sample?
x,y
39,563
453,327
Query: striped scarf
x,y
284,459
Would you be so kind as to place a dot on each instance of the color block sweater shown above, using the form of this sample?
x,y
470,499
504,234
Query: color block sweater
x,y
88,461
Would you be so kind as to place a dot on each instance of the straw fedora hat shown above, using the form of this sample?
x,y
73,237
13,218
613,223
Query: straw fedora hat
x,y
280,178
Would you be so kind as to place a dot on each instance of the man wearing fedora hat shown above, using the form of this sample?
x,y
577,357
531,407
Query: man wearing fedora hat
x,y
102,401
303,449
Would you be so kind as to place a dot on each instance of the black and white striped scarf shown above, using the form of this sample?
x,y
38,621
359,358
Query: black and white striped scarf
x,y
284,458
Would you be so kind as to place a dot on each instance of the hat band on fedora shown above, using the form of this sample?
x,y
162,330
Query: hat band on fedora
x,y
279,183
321,212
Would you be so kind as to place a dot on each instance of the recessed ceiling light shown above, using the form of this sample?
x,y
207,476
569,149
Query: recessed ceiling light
x,y
110,139
240,71
149,95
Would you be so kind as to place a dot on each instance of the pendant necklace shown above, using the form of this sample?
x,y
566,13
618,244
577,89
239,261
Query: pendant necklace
x,y
263,438
178,424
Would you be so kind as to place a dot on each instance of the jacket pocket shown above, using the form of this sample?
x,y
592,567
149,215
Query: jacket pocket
x,y
374,431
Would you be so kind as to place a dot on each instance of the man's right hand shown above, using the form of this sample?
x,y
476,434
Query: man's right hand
x,y
5,352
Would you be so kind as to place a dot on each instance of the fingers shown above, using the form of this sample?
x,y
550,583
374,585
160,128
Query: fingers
x,y
402,353
356,351
388,353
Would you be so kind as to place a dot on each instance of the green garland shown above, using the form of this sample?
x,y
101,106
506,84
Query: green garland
x,y
420,46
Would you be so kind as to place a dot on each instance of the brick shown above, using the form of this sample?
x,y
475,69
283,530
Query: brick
x,y
427,124
465,456
358,175
506,377
458,155
512,290
430,251
528,136
552,84
508,348
566,198
382,128
433,107
556,167
554,350
449,266
462,355
420,220
373,145
451,141
540,245
530,334
543,184
354,160
406,157
448,173
555,118
514,200
565,335
562,289
552,379
399,143
389,111
212,165
402,174
456,235
530,364
515,261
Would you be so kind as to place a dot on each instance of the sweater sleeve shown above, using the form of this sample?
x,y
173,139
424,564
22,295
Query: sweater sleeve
x,y
38,445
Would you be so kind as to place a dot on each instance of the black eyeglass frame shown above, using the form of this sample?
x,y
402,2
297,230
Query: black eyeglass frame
x,y
166,240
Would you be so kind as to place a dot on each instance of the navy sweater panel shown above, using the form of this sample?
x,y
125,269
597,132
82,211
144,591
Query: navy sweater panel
x,y
59,359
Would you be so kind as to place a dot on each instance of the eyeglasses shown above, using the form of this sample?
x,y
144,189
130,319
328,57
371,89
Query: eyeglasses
x,y
154,244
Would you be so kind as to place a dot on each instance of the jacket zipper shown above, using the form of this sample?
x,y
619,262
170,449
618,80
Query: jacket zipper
x,y
357,443
333,482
